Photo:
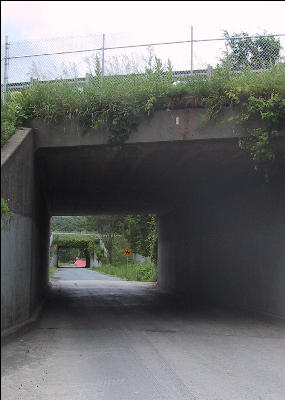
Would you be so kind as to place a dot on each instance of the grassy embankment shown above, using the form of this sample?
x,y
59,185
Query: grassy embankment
x,y
62,264
146,272
52,271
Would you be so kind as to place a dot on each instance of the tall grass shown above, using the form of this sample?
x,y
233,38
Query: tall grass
x,y
52,271
118,104
146,272
13,115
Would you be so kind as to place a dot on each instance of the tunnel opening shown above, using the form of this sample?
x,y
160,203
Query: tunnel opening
x,y
121,277
123,246
68,257
212,209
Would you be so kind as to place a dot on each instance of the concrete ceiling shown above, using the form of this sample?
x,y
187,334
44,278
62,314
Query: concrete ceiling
x,y
143,177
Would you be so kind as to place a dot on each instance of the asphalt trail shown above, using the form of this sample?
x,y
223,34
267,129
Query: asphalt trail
x,y
108,339
72,273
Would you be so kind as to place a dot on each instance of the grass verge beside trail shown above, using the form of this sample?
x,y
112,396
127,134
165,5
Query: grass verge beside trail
x,y
146,272
61,264
52,271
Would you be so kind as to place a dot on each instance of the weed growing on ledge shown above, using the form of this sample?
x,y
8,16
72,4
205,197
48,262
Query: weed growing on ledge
x,y
260,100
12,116
6,214
117,104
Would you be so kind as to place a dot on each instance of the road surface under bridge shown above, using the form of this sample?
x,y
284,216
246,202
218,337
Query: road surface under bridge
x,y
104,338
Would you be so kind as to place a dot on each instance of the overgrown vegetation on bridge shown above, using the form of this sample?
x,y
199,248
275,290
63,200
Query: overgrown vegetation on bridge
x,y
87,244
118,105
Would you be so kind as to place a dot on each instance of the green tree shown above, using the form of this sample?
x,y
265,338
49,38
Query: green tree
x,y
243,51
141,233
67,224
108,226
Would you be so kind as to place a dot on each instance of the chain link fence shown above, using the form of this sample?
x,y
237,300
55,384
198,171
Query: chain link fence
x,y
121,55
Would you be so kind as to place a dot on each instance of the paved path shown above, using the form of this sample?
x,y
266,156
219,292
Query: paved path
x,y
70,272
119,340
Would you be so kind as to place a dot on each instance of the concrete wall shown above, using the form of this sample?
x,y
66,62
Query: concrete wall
x,y
24,244
94,262
53,256
226,247
140,259
162,126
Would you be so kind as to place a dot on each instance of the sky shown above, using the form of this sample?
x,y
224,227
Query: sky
x,y
126,22
32,20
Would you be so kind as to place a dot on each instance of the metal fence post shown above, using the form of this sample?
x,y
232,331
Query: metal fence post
x,y
103,54
209,71
6,64
191,49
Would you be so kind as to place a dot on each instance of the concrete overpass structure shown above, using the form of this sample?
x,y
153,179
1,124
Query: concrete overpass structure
x,y
221,227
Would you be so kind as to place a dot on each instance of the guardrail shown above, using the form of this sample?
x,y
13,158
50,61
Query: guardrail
x,y
17,86
13,86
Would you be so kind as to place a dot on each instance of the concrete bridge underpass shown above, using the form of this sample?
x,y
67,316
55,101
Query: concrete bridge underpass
x,y
221,227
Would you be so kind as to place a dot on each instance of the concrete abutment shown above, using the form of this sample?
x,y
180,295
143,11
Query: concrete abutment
x,y
226,248
221,227
25,238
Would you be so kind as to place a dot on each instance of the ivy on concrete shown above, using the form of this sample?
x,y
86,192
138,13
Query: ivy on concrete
x,y
6,214
259,141
88,244
259,100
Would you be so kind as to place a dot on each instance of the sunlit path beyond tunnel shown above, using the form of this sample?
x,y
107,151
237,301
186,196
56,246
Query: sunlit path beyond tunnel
x,y
109,339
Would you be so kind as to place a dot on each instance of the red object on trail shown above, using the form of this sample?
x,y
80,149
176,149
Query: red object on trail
x,y
80,263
